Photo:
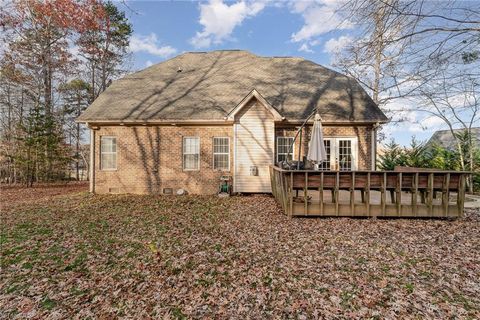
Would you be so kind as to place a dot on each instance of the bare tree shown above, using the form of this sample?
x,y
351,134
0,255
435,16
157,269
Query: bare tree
x,y
402,45
456,101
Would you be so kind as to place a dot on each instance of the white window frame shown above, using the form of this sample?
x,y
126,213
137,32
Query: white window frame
x,y
183,153
332,153
276,148
354,146
334,144
220,153
108,152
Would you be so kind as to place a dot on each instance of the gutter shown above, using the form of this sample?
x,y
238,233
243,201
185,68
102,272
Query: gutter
x,y
216,122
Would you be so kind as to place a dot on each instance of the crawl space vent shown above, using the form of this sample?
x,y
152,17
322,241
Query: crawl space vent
x,y
113,190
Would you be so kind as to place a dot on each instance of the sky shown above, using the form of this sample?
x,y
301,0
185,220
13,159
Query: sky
x,y
308,29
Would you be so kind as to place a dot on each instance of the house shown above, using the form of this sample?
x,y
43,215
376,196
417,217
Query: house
x,y
445,138
186,122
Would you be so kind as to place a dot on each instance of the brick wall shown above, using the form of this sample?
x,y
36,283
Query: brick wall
x,y
149,158
363,134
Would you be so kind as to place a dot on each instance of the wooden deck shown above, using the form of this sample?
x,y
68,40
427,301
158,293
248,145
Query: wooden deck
x,y
369,193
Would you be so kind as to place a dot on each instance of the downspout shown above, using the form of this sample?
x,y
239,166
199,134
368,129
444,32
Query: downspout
x,y
299,149
374,146
234,157
92,160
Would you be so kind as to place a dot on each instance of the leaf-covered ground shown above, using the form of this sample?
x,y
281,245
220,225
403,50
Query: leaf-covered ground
x,y
81,256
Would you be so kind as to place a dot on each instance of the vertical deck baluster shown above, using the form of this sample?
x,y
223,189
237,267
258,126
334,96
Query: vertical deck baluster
x,y
283,179
291,194
305,194
337,191
431,177
368,195
352,194
384,193
285,192
321,193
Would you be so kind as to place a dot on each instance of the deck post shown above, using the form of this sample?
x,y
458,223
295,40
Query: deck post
x,y
284,192
368,195
461,195
291,194
280,191
415,193
431,178
399,194
446,194
384,193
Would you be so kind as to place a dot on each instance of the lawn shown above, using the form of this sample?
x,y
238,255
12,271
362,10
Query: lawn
x,y
68,254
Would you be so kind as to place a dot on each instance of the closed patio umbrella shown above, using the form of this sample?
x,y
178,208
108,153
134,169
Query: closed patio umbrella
x,y
316,148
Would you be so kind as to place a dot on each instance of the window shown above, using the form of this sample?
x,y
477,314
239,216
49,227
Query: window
x,y
191,153
221,153
108,153
345,154
325,165
283,147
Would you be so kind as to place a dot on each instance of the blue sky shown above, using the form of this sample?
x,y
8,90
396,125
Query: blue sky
x,y
163,29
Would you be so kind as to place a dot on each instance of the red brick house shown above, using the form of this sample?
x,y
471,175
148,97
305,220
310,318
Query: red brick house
x,y
185,122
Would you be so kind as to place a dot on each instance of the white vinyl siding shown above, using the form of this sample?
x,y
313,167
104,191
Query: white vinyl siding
x,y
284,145
191,153
254,131
108,153
221,153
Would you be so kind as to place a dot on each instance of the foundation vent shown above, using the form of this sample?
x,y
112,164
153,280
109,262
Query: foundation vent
x,y
167,191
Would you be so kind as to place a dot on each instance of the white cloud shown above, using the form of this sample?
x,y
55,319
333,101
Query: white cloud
x,y
335,45
219,20
407,121
148,63
151,45
305,48
320,17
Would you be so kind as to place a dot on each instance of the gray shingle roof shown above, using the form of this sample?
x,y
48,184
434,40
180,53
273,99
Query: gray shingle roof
x,y
208,85
445,139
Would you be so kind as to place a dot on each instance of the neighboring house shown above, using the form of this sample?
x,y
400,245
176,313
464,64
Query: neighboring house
x,y
186,122
445,138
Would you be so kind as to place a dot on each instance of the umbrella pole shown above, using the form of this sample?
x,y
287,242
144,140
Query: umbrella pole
x,y
299,148
290,149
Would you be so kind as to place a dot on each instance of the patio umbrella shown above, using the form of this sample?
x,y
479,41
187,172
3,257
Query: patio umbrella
x,y
316,148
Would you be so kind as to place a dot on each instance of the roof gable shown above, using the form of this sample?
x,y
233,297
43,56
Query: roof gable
x,y
254,94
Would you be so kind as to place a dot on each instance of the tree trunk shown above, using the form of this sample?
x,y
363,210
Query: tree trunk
x,y
378,47
77,153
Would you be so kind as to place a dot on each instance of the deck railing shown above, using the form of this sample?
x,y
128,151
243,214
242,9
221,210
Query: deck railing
x,y
369,193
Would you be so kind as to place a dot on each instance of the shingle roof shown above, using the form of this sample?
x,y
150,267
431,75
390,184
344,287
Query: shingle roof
x,y
208,85
445,139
